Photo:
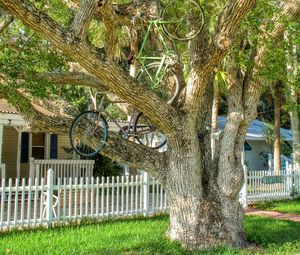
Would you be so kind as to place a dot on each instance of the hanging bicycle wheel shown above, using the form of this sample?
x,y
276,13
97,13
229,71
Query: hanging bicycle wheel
x,y
182,19
147,134
88,133
165,84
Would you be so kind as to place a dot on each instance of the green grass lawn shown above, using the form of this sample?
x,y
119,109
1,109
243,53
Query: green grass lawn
x,y
144,236
285,206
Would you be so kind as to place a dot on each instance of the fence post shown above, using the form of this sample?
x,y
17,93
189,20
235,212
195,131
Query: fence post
x,y
270,159
243,194
146,193
3,171
289,178
31,168
49,202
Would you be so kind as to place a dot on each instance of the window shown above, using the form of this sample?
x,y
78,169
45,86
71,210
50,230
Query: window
x,y
38,145
247,147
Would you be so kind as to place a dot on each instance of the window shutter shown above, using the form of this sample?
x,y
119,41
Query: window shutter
x,y
53,146
24,147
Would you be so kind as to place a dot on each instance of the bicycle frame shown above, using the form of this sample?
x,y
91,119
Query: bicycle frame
x,y
125,131
160,72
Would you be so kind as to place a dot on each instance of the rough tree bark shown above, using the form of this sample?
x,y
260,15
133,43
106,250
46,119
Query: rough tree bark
x,y
203,193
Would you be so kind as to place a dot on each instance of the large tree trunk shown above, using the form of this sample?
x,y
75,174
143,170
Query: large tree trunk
x,y
277,109
202,214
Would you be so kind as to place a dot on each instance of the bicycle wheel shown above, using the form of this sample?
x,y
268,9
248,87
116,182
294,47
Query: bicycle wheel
x,y
147,134
88,133
182,19
165,84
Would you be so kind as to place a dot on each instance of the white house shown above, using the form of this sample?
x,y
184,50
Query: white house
x,y
256,151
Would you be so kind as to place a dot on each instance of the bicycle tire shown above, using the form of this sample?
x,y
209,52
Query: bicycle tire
x,y
173,14
142,129
88,133
168,88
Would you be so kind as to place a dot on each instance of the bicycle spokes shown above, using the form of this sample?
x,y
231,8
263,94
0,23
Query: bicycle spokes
x,y
182,20
147,134
164,84
88,133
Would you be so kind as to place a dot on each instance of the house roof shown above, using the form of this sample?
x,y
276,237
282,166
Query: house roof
x,y
5,107
256,131
10,117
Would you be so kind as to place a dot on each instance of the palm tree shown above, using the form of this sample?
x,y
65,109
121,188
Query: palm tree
x,y
220,87
277,106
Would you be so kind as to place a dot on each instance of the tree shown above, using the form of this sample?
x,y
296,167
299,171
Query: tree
x,y
277,106
292,92
203,193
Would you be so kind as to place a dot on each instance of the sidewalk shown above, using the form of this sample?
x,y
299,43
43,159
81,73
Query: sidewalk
x,y
275,215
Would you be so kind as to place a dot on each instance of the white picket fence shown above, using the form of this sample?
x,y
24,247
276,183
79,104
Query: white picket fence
x,y
45,203
265,185
64,168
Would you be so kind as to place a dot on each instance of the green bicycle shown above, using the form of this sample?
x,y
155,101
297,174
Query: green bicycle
x,y
179,20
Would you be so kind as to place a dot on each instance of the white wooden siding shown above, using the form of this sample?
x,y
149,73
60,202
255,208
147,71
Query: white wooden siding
x,y
253,159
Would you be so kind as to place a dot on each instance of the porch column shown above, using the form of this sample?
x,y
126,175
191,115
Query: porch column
x,y
19,151
243,157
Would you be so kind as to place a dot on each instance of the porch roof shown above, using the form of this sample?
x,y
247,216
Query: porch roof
x,y
5,107
9,115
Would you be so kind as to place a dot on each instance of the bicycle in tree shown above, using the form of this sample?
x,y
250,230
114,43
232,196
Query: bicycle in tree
x,y
179,20
89,130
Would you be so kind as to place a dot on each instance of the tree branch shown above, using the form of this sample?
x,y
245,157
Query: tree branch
x,y
73,78
77,78
228,24
83,17
124,13
6,22
110,23
164,116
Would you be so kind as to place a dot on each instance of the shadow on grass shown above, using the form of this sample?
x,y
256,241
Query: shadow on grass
x,y
265,231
